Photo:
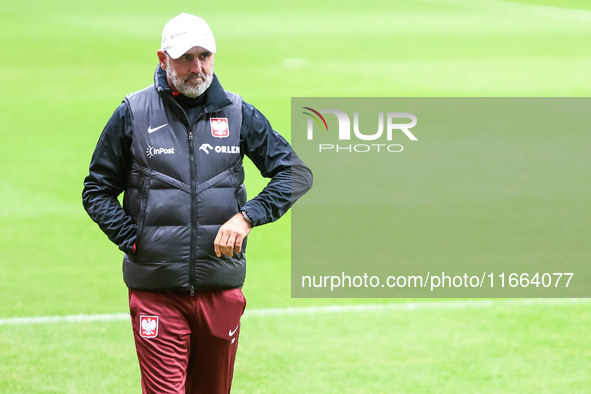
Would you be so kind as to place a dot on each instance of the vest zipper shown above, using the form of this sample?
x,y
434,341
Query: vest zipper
x,y
193,176
193,180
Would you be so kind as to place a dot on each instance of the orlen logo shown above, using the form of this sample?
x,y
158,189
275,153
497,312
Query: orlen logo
x,y
344,132
219,149
151,151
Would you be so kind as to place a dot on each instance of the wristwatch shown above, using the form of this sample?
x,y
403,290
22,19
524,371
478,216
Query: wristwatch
x,y
246,217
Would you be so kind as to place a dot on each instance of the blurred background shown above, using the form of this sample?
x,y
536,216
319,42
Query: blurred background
x,y
66,67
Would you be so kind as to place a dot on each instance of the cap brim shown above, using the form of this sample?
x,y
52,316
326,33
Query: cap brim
x,y
179,50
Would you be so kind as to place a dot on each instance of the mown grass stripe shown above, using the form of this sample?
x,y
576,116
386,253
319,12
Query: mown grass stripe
x,y
539,10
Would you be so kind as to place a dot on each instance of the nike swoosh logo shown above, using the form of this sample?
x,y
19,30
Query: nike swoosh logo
x,y
231,333
151,130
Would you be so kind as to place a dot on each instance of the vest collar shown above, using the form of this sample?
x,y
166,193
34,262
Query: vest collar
x,y
215,96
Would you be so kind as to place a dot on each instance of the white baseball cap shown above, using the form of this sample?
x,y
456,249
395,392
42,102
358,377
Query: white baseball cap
x,y
184,32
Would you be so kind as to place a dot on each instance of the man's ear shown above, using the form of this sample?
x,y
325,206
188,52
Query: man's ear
x,y
162,58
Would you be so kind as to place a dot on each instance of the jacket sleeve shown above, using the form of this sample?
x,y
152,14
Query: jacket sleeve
x,y
275,159
107,179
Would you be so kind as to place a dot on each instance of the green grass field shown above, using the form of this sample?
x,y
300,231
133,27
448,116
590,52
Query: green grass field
x,y
68,65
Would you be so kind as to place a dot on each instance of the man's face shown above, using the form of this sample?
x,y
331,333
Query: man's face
x,y
192,73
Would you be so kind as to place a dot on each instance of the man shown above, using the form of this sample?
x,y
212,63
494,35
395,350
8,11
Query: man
x,y
175,149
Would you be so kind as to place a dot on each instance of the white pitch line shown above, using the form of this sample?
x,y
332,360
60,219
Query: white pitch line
x,y
64,319
313,310
414,306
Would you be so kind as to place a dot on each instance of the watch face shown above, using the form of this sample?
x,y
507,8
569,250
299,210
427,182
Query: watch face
x,y
246,216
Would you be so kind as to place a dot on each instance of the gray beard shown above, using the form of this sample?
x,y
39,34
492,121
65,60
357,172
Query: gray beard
x,y
185,88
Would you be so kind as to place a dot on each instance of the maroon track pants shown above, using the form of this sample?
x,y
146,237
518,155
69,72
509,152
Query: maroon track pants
x,y
186,344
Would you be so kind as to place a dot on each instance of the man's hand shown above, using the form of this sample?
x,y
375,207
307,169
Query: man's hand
x,y
230,236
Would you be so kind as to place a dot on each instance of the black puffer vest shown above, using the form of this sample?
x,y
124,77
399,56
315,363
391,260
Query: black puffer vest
x,y
185,182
